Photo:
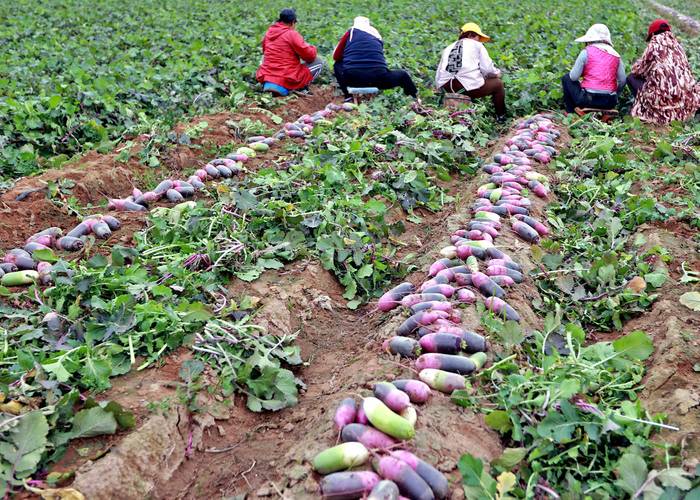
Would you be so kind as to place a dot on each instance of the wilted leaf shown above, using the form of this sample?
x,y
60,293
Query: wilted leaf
x,y
691,300
93,422
631,472
499,420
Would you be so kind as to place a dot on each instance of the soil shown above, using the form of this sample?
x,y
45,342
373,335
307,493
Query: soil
x,y
229,451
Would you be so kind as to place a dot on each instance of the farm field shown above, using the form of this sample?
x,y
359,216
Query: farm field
x,y
201,348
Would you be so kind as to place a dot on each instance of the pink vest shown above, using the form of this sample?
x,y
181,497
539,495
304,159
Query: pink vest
x,y
600,71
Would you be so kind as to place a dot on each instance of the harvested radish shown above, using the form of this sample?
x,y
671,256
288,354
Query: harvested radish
x,y
69,244
538,188
80,230
195,182
395,399
433,304
410,414
8,267
465,296
174,196
449,343
449,252
163,186
441,264
224,171
368,436
112,222
445,290
418,392
501,309
101,229
503,280
504,262
409,482
25,263
403,346
495,253
526,232
504,271
486,285
416,298
534,224
340,457
384,490
19,278
33,246
441,380
361,417
382,418
484,228
451,362
435,479
348,485
419,319
345,413
393,297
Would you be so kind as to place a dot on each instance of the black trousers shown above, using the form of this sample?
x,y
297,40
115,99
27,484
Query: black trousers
x,y
577,97
382,78
635,83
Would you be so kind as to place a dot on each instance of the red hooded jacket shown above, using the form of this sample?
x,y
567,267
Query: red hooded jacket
x,y
282,49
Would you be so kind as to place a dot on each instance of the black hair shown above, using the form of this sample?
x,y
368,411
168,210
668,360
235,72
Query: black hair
x,y
288,16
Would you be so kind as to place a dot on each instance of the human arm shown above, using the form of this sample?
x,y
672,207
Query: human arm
x,y
486,63
304,50
642,66
340,48
621,76
580,63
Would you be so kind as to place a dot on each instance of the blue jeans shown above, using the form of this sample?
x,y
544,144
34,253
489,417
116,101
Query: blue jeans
x,y
577,97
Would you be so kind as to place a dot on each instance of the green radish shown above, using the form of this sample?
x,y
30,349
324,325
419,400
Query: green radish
x,y
472,264
449,252
495,195
483,244
19,278
250,153
410,414
536,176
381,417
487,216
260,147
341,457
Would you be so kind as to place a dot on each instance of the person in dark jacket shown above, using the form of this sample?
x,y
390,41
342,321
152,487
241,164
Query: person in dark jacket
x,y
284,49
359,61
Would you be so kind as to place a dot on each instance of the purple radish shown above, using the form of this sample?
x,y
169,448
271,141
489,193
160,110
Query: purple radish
x,y
409,482
348,485
361,417
451,363
8,267
463,279
534,224
465,296
163,186
393,297
486,286
395,399
80,230
112,222
24,263
447,274
384,490
185,190
174,196
484,228
504,271
538,188
494,210
465,250
469,342
196,182
238,157
419,319
441,264
212,171
70,243
501,308
33,246
368,436
202,174
515,209
433,477
526,232
445,290
101,229
416,298
503,281
403,346
435,305
495,253
224,171
504,262
418,392
438,279
345,413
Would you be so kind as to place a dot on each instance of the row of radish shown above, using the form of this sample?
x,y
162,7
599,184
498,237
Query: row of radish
x,y
18,266
177,190
443,350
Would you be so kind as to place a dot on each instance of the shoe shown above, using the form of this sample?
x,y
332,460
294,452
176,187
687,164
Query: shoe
x,y
304,91
501,119
348,99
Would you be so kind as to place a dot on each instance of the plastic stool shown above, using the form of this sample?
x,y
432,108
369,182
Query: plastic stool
x,y
358,92
605,115
275,89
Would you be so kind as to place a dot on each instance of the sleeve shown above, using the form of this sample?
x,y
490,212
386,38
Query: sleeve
x,y
621,76
304,50
486,63
580,63
340,48
643,64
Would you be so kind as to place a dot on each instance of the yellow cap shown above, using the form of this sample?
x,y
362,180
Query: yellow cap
x,y
476,29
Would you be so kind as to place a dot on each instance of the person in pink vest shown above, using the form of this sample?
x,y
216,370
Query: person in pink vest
x,y
598,75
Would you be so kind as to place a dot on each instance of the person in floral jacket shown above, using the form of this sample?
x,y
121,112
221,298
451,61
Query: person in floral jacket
x,y
662,81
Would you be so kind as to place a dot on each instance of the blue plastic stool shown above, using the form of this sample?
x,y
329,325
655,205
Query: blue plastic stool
x,y
275,89
357,92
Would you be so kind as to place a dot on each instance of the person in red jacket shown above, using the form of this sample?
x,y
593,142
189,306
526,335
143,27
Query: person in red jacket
x,y
284,49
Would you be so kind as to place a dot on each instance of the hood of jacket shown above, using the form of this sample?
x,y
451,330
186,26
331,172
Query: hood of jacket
x,y
277,30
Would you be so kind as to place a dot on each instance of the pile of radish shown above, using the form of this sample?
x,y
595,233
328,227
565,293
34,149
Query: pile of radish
x,y
432,335
19,268
175,190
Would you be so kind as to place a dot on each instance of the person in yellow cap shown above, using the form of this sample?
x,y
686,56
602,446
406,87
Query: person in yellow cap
x,y
466,68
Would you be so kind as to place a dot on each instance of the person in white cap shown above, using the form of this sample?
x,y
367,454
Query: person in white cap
x,y
598,76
